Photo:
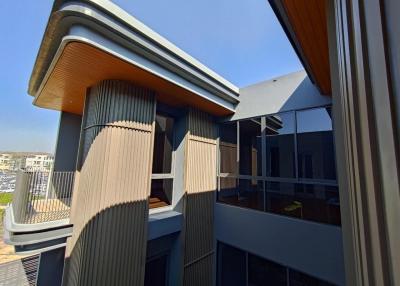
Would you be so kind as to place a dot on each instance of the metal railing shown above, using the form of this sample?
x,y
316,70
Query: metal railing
x,y
42,196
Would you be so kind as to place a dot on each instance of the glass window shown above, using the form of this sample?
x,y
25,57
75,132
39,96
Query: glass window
x,y
280,150
228,148
263,272
161,193
317,203
163,145
162,179
246,193
231,266
316,156
156,272
297,278
250,147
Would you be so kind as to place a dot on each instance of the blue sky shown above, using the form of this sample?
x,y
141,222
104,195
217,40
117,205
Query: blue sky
x,y
240,40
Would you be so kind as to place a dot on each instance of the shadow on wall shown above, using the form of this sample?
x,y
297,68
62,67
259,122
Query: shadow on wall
x,y
106,251
199,237
200,187
304,95
286,93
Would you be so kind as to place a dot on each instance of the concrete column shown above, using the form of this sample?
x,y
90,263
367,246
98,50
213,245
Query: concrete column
x,y
110,204
67,142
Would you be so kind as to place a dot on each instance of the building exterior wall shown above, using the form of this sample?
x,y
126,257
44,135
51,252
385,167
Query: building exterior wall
x,y
67,142
311,247
200,186
365,105
110,203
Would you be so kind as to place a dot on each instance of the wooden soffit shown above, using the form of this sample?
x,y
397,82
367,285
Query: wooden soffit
x,y
308,30
81,65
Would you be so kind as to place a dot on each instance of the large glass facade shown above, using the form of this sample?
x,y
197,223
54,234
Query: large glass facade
x,y
263,272
236,267
280,145
316,152
246,193
250,147
228,148
284,164
231,266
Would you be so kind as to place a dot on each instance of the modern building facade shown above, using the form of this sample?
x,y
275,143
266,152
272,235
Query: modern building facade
x,y
182,178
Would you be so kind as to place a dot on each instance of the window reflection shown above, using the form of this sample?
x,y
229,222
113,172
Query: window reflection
x,y
297,278
317,203
242,192
163,140
156,271
316,157
231,266
263,272
301,190
228,148
280,157
250,147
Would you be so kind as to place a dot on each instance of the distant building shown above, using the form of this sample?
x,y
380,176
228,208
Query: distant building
x,y
37,162
12,161
5,160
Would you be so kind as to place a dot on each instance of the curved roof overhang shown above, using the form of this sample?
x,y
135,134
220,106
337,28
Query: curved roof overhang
x,y
89,41
305,24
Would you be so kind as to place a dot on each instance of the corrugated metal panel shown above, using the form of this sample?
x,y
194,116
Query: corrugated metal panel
x,y
200,186
200,273
110,209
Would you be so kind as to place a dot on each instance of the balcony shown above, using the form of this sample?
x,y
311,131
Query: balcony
x,y
41,197
38,217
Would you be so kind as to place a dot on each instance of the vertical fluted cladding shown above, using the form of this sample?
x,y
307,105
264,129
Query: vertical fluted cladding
x,y
200,273
200,186
110,209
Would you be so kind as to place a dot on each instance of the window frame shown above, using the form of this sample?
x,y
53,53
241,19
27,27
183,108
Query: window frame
x,y
264,178
170,175
167,112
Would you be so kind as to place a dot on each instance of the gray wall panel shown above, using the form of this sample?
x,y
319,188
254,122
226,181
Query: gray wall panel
x,y
313,248
67,145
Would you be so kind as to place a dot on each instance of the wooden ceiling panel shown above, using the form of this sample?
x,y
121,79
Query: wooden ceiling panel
x,y
81,65
308,20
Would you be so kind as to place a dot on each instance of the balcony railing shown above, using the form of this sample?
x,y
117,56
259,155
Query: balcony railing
x,y
42,196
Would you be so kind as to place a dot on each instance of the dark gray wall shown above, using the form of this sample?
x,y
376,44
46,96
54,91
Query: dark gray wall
x,y
51,267
67,142
312,248
391,11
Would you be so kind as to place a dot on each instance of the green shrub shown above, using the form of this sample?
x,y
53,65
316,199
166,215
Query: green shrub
x,y
5,198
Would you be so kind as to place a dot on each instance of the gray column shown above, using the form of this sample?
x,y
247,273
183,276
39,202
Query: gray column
x,y
110,204
66,152
366,138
